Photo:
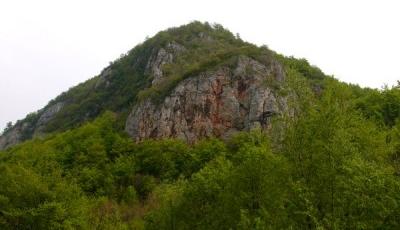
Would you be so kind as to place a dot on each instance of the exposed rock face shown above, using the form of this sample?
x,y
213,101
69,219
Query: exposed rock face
x,y
104,78
223,99
214,103
162,57
19,131
13,136
46,116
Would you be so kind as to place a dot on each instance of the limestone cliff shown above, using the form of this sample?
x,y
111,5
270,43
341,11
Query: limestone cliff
x,y
214,103
206,81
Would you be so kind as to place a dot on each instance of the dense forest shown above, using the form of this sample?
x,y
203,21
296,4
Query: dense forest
x,y
332,164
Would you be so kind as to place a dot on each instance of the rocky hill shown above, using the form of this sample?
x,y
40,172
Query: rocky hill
x,y
194,81
123,150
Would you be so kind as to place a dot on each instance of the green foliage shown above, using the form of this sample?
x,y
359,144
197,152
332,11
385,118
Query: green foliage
x,y
48,184
332,163
207,48
383,107
249,181
126,81
331,169
28,200
28,124
303,67
302,80
337,157
165,159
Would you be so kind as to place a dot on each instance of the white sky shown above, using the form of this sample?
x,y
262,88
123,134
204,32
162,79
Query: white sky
x,y
47,46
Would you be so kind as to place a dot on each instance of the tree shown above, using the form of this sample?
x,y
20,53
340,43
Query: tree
x,y
339,161
31,201
246,188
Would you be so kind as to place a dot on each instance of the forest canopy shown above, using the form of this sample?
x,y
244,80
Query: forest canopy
x,y
332,162
335,166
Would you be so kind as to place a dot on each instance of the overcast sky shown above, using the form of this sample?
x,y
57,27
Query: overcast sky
x,y
47,46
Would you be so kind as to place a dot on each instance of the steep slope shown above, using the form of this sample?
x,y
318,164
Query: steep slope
x,y
213,103
189,82
324,154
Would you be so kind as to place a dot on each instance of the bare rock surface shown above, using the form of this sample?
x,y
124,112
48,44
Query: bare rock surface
x,y
46,116
216,103
16,134
162,56
13,136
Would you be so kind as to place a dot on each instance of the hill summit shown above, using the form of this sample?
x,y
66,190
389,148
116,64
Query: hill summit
x,y
197,129
189,82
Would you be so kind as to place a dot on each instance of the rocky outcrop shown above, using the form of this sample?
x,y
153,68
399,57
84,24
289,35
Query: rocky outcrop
x,y
160,58
46,116
29,127
104,78
215,103
223,90
13,136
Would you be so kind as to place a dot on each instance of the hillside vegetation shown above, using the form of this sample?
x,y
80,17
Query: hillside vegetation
x,y
334,163
127,80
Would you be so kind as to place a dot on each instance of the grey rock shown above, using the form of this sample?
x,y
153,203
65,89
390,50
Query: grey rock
x,y
216,103
161,57
46,116
23,130
13,136
104,78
